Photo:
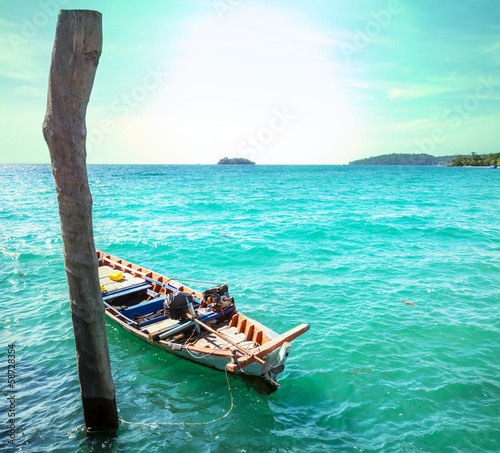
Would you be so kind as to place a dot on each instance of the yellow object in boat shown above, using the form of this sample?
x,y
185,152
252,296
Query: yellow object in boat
x,y
102,289
116,276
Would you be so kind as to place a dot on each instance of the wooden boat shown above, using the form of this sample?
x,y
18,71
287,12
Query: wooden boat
x,y
210,332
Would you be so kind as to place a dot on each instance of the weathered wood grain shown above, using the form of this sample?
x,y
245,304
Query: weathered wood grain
x,y
75,56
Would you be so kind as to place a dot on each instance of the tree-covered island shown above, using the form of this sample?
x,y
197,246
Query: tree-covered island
x,y
474,160
235,161
404,159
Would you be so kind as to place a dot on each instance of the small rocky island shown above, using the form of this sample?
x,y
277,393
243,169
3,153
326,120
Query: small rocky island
x,y
235,161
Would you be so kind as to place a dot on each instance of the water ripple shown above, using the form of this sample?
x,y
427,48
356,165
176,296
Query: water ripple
x,y
396,269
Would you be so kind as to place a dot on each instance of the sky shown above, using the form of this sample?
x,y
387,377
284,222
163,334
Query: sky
x,y
277,82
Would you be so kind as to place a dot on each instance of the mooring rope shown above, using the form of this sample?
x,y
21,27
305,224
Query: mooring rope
x,y
153,425
30,265
180,279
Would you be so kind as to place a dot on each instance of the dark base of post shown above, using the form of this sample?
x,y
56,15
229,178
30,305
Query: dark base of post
x,y
100,414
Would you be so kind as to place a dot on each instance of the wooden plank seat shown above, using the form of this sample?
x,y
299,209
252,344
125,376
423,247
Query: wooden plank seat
x,y
125,291
110,285
161,325
213,341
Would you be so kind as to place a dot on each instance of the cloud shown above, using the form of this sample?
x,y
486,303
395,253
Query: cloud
x,y
230,76
19,66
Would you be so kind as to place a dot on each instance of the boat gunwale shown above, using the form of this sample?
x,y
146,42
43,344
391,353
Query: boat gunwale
x,y
126,266
272,341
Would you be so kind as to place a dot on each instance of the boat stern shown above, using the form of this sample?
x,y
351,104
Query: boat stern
x,y
275,362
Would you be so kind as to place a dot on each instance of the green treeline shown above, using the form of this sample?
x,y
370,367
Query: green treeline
x,y
476,160
405,159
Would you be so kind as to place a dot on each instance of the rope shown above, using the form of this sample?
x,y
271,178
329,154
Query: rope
x,y
152,425
30,265
59,259
199,356
180,279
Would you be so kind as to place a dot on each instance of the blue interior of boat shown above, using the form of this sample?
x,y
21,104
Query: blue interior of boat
x,y
125,291
153,320
183,325
144,308
147,307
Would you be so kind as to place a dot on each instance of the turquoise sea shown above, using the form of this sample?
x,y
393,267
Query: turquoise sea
x,y
396,269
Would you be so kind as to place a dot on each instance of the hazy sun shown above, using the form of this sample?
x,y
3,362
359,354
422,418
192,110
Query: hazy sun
x,y
253,83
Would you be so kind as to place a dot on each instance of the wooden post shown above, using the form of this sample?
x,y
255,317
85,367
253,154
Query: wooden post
x,y
76,52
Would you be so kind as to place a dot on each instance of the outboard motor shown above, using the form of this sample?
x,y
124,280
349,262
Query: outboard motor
x,y
218,298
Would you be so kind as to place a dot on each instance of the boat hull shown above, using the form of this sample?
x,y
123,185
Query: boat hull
x,y
235,344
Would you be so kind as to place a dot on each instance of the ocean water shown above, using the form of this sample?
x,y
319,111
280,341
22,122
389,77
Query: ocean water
x,y
396,269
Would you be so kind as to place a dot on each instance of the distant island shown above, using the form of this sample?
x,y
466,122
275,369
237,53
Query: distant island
x,y
474,160
235,161
405,159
